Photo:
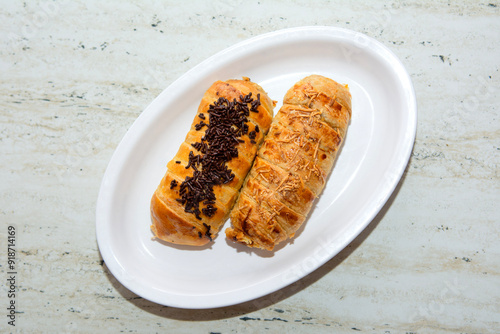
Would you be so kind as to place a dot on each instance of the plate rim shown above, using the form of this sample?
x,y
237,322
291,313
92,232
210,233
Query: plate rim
x,y
403,77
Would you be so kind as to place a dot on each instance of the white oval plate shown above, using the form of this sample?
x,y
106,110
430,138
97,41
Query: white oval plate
x,y
375,153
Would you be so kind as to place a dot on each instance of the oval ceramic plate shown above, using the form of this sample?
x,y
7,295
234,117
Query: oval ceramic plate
x,y
368,168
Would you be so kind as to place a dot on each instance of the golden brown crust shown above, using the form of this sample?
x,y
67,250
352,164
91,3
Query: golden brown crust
x,y
293,163
262,224
274,181
170,221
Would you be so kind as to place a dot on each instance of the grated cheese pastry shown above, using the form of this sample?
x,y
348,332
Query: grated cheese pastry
x,y
293,163
202,182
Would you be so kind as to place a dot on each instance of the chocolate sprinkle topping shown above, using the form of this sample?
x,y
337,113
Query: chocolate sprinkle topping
x,y
227,122
199,126
207,233
173,184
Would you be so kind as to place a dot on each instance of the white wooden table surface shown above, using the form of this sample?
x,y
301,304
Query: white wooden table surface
x,y
74,75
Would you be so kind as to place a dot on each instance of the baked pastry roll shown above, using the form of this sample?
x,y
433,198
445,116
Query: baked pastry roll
x,y
293,163
203,180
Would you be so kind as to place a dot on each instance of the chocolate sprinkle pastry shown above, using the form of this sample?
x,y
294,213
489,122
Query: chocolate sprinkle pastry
x,y
227,123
